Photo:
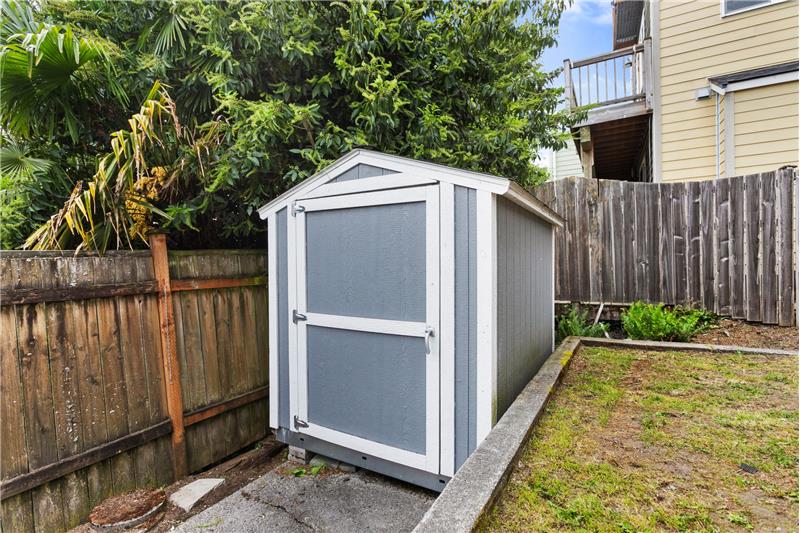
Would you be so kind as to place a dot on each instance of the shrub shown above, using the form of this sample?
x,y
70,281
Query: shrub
x,y
657,323
577,322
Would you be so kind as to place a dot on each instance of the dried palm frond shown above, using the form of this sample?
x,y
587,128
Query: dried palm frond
x,y
114,208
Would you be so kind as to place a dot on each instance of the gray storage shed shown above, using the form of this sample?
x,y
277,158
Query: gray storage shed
x,y
410,303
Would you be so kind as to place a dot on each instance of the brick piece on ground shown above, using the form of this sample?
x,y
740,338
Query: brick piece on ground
x,y
187,496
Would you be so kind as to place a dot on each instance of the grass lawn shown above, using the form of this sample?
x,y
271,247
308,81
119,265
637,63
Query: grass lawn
x,y
649,441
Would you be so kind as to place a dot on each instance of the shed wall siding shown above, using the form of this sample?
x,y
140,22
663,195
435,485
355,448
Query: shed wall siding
x,y
362,170
466,335
524,299
697,43
283,319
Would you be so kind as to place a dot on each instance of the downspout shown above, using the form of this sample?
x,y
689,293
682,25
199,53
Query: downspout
x,y
716,136
655,74
718,91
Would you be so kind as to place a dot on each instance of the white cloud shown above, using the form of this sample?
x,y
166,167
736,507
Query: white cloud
x,y
595,11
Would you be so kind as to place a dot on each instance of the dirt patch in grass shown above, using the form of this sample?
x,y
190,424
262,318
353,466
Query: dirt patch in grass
x,y
750,335
651,441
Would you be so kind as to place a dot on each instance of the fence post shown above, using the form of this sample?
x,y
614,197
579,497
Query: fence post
x,y
169,352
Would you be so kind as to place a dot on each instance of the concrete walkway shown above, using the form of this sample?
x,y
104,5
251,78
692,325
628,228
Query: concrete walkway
x,y
331,501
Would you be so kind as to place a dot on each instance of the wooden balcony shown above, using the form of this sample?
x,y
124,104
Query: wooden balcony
x,y
617,87
617,84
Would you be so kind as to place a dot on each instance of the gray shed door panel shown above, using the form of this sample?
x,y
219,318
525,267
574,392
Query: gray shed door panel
x,y
369,385
365,380
367,261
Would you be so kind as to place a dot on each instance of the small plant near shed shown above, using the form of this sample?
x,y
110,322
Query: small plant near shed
x,y
577,322
303,472
655,322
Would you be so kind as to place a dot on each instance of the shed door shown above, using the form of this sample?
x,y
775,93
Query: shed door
x,y
367,365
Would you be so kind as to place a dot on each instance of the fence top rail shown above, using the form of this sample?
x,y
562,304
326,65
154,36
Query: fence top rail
x,y
29,254
594,181
234,251
26,254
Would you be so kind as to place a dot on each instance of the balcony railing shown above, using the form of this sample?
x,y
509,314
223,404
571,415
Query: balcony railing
x,y
620,76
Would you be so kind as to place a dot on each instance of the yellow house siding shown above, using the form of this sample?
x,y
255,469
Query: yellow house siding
x,y
702,17
676,82
697,43
768,113
766,128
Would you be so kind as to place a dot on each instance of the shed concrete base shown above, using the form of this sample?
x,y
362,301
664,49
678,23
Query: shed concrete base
x,y
330,501
362,460
299,455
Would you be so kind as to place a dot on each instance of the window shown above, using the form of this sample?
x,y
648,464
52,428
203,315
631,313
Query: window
x,y
731,7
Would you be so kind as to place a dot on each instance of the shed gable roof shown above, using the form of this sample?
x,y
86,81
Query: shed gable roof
x,y
398,166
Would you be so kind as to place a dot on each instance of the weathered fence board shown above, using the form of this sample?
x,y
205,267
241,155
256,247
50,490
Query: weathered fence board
x,y
726,245
786,263
17,510
83,399
720,253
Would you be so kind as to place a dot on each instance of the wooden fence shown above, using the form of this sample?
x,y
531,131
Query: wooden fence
x,y
105,361
725,245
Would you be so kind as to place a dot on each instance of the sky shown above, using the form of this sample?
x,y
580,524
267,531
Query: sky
x,y
584,31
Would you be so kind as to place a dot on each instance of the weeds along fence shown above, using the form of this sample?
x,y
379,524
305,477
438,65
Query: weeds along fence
x,y
725,245
123,371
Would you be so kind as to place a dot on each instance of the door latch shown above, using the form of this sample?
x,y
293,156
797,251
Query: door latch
x,y
428,335
296,317
299,423
297,208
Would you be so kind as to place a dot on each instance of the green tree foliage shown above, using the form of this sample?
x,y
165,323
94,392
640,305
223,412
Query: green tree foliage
x,y
265,94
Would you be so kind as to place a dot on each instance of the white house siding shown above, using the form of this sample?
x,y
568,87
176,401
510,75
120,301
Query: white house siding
x,y
565,163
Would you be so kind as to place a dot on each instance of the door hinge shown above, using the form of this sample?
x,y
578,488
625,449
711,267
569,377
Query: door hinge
x,y
299,423
296,317
297,208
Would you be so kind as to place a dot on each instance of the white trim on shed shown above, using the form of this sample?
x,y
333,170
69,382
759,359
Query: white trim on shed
x,y
409,172
468,230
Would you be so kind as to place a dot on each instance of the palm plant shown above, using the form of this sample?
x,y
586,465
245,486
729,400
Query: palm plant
x,y
115,207
48,75
21,175
16,164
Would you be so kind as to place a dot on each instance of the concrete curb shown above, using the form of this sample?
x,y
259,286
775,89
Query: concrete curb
x,y
680,346
478,482
471,493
